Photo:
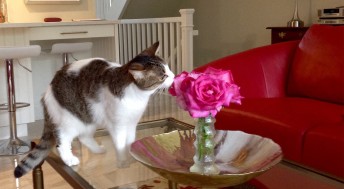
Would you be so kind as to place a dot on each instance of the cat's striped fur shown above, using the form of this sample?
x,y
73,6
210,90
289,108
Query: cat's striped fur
x,y
93,93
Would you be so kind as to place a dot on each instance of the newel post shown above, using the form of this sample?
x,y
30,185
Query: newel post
x,y
187,38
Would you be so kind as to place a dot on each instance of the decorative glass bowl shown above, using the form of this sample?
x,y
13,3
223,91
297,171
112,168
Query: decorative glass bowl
x,y
239,156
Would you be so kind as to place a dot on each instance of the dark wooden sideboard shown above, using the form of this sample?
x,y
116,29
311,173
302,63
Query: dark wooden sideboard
x,y
282,34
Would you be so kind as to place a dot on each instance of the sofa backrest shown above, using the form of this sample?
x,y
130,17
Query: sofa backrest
x,y
318,67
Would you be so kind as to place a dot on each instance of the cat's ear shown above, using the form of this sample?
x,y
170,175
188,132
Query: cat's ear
x,y
135,69
152,50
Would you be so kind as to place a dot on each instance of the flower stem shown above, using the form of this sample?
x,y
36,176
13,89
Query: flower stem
x,y
204,144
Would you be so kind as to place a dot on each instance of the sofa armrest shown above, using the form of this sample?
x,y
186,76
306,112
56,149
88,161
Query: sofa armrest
x,y
259,72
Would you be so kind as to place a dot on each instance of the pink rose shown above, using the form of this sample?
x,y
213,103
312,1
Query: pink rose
x,y
174,89
205,93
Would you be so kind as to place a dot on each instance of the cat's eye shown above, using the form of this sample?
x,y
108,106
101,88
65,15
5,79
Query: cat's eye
x,y
164,77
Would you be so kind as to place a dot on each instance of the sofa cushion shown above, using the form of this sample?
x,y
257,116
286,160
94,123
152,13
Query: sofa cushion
x,y
284,120
318,67
324,149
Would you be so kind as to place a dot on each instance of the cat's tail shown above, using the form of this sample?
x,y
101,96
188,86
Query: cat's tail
x,y
37,155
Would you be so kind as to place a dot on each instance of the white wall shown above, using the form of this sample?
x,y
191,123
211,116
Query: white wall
x,y
231,26
110,9
151,8
18,11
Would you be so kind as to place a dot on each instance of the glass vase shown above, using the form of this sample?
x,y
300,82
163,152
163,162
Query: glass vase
x,y
204,158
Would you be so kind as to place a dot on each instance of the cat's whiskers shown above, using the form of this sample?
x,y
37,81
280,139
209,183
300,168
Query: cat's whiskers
x,y
160,91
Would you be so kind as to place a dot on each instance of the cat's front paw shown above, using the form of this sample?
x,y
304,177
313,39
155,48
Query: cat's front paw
x,y
71,161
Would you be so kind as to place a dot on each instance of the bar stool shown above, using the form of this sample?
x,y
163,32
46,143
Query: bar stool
x,y
13,145
67,48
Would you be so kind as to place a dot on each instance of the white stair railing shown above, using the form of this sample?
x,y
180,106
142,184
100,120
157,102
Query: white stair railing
x,y
175,35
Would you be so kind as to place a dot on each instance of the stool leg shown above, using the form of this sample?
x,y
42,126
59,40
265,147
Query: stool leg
x,y
14,146
172,185
11,95
37,174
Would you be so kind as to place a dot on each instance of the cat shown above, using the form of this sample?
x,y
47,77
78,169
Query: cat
x,y
93,93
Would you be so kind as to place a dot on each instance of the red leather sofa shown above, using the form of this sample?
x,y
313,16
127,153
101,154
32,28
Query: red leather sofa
x,y
294,94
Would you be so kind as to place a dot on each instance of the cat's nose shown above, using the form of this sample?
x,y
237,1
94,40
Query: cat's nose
x,y
169,80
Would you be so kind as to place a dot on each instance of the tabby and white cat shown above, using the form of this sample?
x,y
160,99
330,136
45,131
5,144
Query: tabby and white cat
x,y
93,93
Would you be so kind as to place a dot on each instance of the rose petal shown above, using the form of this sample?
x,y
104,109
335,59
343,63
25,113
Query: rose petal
x,y
205,93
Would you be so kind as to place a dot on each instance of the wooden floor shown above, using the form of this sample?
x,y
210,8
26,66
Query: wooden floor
x,y
273,179
279,177
52,180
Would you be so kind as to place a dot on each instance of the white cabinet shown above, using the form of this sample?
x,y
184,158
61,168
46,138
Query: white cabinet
x,y
70,32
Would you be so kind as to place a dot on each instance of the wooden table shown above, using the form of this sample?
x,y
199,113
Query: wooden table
x,y
282,34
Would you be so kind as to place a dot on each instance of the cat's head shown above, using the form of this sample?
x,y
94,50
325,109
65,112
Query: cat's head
x,y
149,71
